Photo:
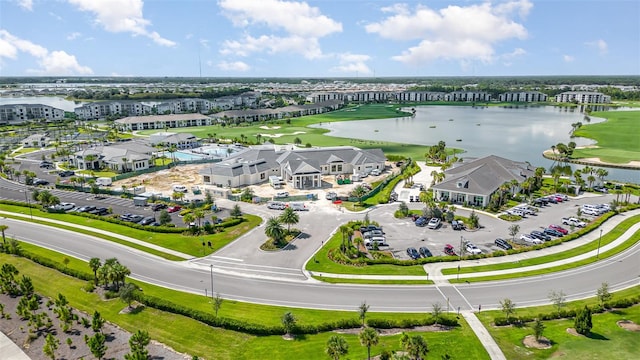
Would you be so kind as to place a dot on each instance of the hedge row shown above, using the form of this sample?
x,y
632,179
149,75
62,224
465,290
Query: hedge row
x,y
409,323
568,314
55,265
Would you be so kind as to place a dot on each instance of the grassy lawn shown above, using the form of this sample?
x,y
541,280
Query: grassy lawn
x,y
322,263
377,282
606,239
187,244
24,150
298,128
607,342
97,173
617,137
199,339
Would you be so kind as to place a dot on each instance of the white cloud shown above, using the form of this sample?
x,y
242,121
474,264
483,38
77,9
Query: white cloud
x,y
352,63
121,16
26,4
73,36
204,43
296,27
568,58
55,16
599,44
463,33
233,66
51,63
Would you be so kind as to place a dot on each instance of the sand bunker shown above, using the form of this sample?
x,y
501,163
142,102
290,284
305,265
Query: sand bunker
x,y
279,135
264,127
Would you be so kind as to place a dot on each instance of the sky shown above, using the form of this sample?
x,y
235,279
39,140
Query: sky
x,y
323,38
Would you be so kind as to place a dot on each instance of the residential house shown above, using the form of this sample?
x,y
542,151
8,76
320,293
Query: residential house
x,y
35,141
120,157
179,140
474,182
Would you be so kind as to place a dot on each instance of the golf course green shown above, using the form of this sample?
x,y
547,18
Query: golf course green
x,y
617,138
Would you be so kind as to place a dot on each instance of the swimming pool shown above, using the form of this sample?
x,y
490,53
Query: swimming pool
x,y
185,156
217,151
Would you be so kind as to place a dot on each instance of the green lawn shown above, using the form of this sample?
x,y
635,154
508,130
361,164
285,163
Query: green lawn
x,y
213,343
332,280
617,137
606,239
607,342
187,244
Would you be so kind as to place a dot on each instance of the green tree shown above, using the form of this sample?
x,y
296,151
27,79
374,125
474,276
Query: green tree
x,y
474,220
95,264
582,322
336,347
128,293
514,230
96,344
4,228
538,329
403,209
368,337
51,344
414,345
603,293
217,303
138,343
359,192
274,230
164,218
288,322
436,312
289,217
362,312
558,298
97,321
235,211
508,307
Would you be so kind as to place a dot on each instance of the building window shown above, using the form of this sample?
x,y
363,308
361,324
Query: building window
x,y
263,176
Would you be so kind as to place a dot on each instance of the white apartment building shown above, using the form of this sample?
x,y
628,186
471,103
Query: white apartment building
x,y
583,97
134,123
100,110
523,96
467,96
20,113
419,96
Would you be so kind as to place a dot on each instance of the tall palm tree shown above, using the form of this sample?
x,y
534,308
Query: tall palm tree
x,y
3,228
289,217
274,230
336,347
188,218
95,264
368,337
198,215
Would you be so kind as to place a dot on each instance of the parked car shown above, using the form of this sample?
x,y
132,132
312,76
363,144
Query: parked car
x,y
552,199
46,164
377,240
66,173
424,252
540,202
448,249
158,206
433,223
85,208
563,197
174,208
503,244
559,229
276,205
298,206
147,220
552,232
413,253
375,172
421,221
99,211
540,235
62,206
530,239
134,218
331,195
179,188
571,221
364,229
38,181
457,225
590,212
516,212
472,249
372,233
282,194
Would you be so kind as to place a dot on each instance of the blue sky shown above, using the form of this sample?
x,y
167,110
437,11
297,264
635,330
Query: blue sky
x,y
326,38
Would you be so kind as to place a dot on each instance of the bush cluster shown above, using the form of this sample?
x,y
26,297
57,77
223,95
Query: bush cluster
x,y
409,323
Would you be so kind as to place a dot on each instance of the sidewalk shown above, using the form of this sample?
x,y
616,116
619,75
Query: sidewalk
x,y
104,232
9,350
483,335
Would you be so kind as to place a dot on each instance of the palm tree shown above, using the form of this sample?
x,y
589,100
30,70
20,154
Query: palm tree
x,y
591,179
95,264
289,217
415,345
346,232
274,230
198,215
336,347
188,218
368,337
3,228
362,311
359,192
601,174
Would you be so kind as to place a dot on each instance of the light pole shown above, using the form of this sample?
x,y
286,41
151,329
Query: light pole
x,y
460,258
599,239
26,197
211,267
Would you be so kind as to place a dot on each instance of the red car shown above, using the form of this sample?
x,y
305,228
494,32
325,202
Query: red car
x,y
559,229
175,208
448,249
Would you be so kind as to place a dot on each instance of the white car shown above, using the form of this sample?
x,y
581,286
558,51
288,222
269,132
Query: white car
x,y
472,249
433,223
530,239
64,206
282,194
179,188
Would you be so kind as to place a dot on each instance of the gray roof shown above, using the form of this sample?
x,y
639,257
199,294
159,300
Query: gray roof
x,y
484,176
160,118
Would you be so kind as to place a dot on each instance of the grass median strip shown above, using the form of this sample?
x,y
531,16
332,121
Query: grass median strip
x,y
333,280
606,239
624,246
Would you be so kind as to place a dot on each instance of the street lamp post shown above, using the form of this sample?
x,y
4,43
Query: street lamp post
x,y
599,239
211,267
460,258
26,197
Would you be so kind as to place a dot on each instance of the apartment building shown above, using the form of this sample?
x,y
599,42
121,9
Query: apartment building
x,y
101,110
583,97
522,96
21,113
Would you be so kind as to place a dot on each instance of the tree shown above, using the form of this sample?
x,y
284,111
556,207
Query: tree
x,y
235,211
474,220
95,264
603,293
97,321
128,293
138,343
508,307
274,230
558,298
403,209
164,218
288,322
217,303
4,228
436,312
289,217
368,337
336,347
414,345
538,329
359,192
188,219
51,344
582,322
96,344
362,311
514,230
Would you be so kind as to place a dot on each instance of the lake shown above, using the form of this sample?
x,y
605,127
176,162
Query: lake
x,y
519,133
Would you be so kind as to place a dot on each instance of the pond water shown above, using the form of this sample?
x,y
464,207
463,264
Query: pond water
x,y
54,101
517,133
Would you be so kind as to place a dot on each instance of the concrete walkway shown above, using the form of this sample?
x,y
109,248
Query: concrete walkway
x,y
104,232
9,350
483,335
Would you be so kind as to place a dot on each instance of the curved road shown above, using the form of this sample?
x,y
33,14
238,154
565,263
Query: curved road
x,y
620,271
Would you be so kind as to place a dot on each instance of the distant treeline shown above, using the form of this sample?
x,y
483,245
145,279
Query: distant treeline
x,y
161,94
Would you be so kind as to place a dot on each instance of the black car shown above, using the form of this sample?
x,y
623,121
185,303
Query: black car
x,y
99,211
46,164
367,228
38,181
86,208
422,221
424,252
540,235
147,221
413,253
503,244
158,206
65,173
540,202
552,232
